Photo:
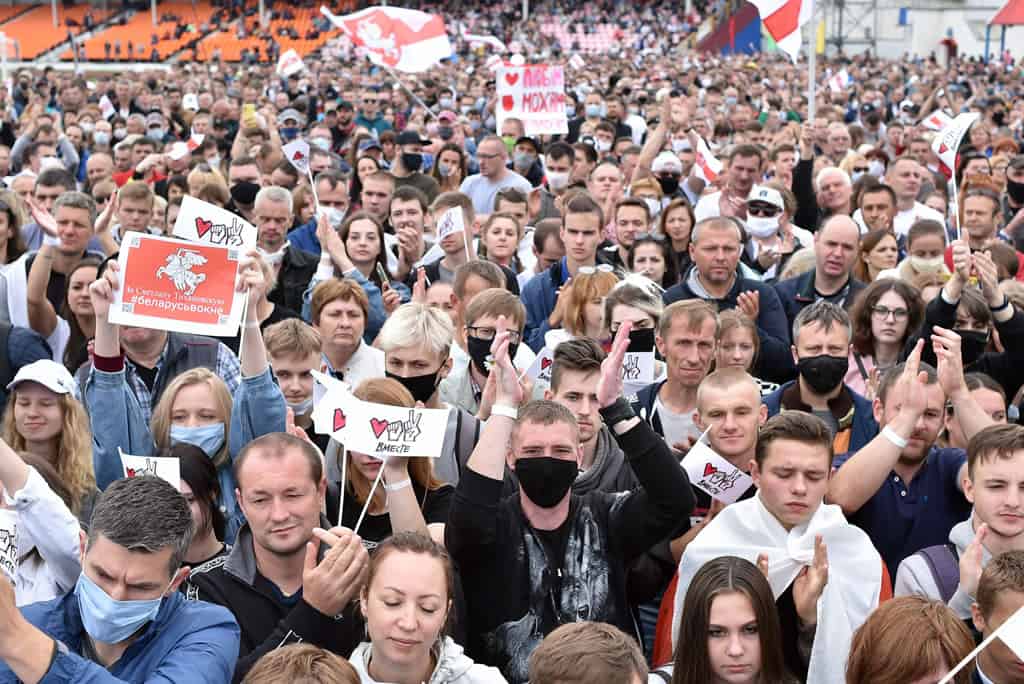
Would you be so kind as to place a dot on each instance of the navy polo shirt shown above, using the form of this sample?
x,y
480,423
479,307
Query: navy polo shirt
x,y
902,519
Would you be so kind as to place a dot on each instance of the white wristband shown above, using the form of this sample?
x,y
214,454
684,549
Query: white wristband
x,y
891,435
503,410
398,485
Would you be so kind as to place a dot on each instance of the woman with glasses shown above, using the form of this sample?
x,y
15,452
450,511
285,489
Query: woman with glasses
x,y
855,166
884,316
651,257
878,252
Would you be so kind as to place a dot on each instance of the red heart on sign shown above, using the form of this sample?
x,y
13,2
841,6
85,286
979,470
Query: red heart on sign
x,y
130,471
203,226
298,155
942,148
709,469
339,419
508,102
378,426
511,77
545,362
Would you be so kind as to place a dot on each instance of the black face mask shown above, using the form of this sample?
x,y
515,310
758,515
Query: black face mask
x,y
998,118
480,352
1016,191
641,340
668,185
421,387
973,344
545,480
244,193
823,373
412,161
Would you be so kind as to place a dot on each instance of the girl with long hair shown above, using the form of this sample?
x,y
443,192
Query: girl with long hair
x,y
878,252
450,169
884,316
68,334
676,223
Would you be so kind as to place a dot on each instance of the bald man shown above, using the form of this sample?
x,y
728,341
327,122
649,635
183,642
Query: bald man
x,y
835,250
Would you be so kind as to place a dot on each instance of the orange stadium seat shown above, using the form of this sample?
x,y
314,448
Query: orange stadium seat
x,y
231,47
139,30
34,29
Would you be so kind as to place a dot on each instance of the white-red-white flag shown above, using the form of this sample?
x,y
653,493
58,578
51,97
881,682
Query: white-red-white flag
x,y
839,81
290,63
475,39
783,19
195,140
707,166
397,38
947,142
937,120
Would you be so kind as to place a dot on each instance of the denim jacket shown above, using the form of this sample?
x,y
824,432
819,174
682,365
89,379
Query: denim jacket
x,y
258,409
376,316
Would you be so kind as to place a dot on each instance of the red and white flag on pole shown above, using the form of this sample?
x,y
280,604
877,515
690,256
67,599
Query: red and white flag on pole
x,y
195,140
397,38
783,19
290,63
475,39
839,81
937,120
947,142
707,166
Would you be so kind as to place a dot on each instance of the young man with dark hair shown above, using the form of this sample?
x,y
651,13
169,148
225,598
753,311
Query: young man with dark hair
x,y
1000,595
125,618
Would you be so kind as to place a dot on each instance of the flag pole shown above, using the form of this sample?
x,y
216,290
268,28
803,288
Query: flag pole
x,y
812,64
413,95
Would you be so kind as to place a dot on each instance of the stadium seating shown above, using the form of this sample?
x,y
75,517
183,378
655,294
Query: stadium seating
x,y
139,30
603,38
34,29
231,47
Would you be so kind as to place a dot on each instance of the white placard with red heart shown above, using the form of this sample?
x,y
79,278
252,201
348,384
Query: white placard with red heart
x,y
540,370
714,475
534,94
379,429
200,221
165,467
297,153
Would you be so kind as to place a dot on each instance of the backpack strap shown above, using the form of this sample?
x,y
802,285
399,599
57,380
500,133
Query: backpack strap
x,y
944,563
860,367
663,673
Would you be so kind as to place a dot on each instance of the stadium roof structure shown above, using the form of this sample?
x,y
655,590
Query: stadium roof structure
x,y
1012,14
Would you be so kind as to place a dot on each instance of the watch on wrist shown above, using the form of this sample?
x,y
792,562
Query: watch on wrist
x,y
617,412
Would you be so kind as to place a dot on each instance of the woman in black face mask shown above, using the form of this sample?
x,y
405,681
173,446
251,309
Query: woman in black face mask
x,y
409,498
974,325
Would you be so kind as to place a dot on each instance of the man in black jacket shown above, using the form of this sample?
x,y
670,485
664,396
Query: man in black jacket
x,y
568,552
287,580
273,214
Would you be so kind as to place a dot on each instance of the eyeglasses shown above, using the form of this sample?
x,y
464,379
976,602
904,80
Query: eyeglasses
x,y
655,237
762,210
884,312
481,155
860,169
591,270
484,333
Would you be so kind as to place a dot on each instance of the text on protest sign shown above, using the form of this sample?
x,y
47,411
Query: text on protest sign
x,y
947,142
8,542
534,94
451,221
714,475
540,370
381,430
165,467
200,221
170,284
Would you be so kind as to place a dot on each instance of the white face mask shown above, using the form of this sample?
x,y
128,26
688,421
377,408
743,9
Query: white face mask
x,y
557,181
876,168
602,146
763,226
925,264
334,216
273,258
653,205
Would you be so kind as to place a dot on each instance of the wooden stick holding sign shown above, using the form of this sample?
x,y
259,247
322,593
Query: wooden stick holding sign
x,y
297,154
453,221
369,497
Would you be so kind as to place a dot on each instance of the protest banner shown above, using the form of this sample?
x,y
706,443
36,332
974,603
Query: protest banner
x,y
637,370
297,154
1011,633
707,166
534,94
170,284
396,38
381,429
540,370
451,222
946,145
107,107
200,221
714,475
937,120
9,542
165,467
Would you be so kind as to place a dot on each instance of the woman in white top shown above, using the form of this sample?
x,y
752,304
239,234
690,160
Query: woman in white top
x,y
46,539
407,601
68,333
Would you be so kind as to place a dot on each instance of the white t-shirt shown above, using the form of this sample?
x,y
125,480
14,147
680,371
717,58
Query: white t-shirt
x,y
483,190
675,426
905,219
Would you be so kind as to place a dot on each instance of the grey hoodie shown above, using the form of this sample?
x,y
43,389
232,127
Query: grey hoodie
x,y
453,666
914,575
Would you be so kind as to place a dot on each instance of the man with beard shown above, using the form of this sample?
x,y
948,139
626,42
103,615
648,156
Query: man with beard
x,y
821,351
901,489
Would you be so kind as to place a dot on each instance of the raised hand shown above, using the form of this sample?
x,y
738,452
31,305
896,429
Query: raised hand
x,y
101,290
328,586
42,216
508,390
950,366
988,276
609,386
749,302
419,289
970,562
810,583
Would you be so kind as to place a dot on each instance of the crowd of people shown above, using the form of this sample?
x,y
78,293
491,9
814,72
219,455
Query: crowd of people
x,y
825,315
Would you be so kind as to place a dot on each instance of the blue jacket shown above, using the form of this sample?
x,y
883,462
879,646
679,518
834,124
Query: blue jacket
x,y
774,362
796,293
304,237
861,423
187,642
258,408
538,296
376,315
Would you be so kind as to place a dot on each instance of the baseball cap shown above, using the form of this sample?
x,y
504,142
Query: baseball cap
x,y
290,113
410,137
370,144
762,193
50,374
666,161
447,115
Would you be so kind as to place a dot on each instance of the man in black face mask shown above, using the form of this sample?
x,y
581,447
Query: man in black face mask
x,y
821,350
408,166
569,551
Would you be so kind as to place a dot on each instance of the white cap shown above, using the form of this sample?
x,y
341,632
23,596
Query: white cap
x,y
762,193
50,374
666,161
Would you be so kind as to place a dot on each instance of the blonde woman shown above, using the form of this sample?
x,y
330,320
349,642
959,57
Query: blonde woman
x,y
44,419
196,407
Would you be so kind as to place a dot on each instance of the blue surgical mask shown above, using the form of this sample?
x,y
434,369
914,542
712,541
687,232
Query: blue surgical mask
x,y
490,123
108,620
428,161
209,438
288,133
594,110
570,111
322,143
101,138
